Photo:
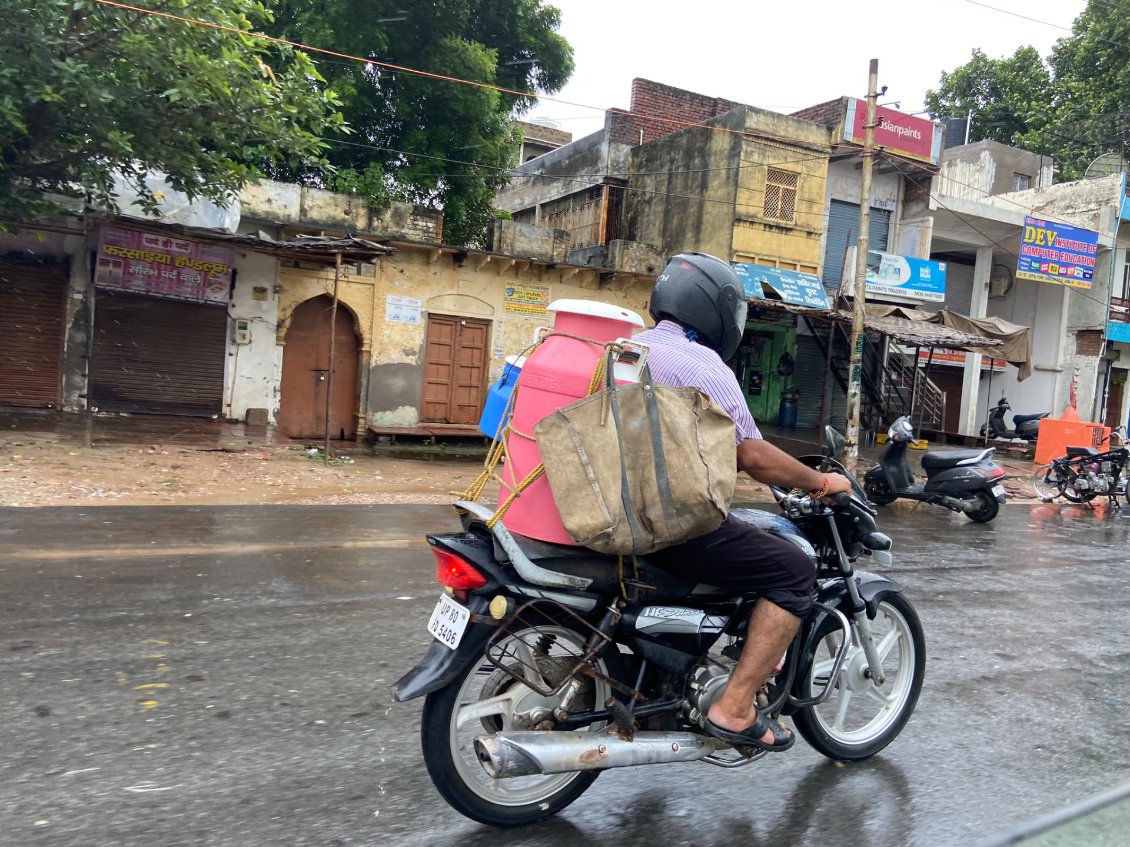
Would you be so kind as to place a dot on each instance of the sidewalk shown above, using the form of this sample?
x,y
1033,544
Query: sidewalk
x,y
50,458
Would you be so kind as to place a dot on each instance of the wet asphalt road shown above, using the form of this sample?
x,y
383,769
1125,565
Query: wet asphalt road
x,y
220,676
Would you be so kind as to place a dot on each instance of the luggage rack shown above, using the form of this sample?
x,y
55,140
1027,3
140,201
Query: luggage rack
x,y
526,569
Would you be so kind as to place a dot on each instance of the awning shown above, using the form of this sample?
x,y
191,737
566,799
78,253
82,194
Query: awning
x,y
921,328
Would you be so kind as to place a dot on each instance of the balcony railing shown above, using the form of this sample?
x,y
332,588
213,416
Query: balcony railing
x,y
1120,309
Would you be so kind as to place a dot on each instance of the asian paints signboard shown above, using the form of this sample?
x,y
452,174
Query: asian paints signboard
x,y
896,132
904,276
890,275
1057,253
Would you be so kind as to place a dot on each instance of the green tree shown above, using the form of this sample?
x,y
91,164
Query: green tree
x,y
1092,73
427,140
87,90
1073,106
1009,98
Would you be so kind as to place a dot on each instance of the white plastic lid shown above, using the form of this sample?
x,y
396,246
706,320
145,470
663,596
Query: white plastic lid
x,y
516,361
596,309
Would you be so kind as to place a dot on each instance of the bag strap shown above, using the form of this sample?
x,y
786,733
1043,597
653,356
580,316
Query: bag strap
x,y
662,480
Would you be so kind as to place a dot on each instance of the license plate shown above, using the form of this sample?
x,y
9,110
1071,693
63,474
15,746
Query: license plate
x,y
448,622
998,490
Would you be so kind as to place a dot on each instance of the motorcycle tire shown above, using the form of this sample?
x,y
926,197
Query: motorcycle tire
x,y
851,725
879,493
986,510
1050,482
448,742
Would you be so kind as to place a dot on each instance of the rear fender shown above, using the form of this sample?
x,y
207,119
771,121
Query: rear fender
x,y
440,664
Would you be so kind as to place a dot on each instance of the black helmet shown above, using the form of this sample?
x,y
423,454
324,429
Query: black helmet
x,y
703,293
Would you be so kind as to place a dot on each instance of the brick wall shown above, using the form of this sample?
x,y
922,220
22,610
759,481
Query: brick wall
x,y
658,110
1089,342
828,114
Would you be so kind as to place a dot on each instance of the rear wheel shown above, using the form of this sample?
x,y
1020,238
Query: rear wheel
x,y
486,700
986,508
878,492
860,718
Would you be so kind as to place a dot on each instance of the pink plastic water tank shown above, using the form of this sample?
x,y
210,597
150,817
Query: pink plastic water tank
x,y
555,375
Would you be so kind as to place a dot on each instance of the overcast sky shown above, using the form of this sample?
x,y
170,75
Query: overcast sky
x,y
781,55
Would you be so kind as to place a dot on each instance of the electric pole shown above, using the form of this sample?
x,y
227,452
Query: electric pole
x,y
850,453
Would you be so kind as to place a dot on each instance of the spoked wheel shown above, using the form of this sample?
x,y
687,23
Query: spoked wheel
x,y
861,718
1049,482
986,509
485,700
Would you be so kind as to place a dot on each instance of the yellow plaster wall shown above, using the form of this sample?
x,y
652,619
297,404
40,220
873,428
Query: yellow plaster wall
x,y
476,288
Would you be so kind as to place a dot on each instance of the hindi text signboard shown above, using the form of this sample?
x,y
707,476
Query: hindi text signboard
x,y
162,265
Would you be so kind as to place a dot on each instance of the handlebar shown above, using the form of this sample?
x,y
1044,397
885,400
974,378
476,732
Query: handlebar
x,y
841,499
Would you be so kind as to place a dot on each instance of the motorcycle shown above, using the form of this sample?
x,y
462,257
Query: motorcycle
x,y
1026,427
966,481
552,663
1084,473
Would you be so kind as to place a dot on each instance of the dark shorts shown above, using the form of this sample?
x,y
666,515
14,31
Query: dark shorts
x,y
743,557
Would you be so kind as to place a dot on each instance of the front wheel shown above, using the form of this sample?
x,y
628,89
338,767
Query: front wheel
x,y
860,718
1049,482
485,700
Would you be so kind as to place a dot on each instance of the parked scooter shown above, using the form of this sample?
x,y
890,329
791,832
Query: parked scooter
x,y
966,481
1023,426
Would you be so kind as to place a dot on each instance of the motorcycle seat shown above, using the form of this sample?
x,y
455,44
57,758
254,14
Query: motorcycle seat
x,y
940,459
603,570
1017,420
1074,452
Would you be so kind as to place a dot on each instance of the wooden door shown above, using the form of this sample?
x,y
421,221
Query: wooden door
x,y
455,356
1115,414
306,372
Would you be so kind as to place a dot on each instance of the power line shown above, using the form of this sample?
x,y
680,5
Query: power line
x,y
995,242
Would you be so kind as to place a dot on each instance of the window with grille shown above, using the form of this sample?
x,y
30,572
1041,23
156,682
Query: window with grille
x,y
780,195
1021,182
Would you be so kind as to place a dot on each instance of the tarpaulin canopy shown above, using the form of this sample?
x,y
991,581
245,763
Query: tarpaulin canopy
x,y
1012,341
922,328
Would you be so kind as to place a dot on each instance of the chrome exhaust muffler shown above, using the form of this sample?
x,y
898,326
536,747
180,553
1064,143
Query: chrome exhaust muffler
x,y
509,754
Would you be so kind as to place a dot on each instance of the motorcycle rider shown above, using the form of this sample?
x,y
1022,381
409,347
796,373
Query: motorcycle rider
x,y
699,307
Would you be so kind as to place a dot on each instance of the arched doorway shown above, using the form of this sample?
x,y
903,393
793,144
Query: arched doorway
x,y
306,372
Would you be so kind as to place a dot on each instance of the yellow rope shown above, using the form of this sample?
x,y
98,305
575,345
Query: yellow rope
x,y
500,449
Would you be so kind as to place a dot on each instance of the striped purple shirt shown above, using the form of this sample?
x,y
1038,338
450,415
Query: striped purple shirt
x,y
674,360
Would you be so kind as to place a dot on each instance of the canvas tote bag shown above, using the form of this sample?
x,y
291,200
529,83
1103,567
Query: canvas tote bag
x,y
638,467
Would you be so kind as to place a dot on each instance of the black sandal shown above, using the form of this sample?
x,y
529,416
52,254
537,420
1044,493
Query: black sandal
x,y
751,735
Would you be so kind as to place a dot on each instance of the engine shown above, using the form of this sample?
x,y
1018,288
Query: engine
x,y
1099,483
707,682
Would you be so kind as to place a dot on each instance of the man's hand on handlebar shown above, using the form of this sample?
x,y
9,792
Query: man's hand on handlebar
x,y
837,484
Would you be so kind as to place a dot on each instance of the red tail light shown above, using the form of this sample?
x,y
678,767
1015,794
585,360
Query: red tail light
x,y
996,472
456,572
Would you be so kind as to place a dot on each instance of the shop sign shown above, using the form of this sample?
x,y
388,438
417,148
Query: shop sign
x,y
526,299
896,132
405,310
904,276
1057,253
765,283
947,356
162,265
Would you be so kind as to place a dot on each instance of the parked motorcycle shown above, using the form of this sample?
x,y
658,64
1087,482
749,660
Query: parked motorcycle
x,y
1084,473
1026,427
553,663
966,481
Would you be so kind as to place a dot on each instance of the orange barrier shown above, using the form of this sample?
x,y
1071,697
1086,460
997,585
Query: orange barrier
x,y
1056,435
